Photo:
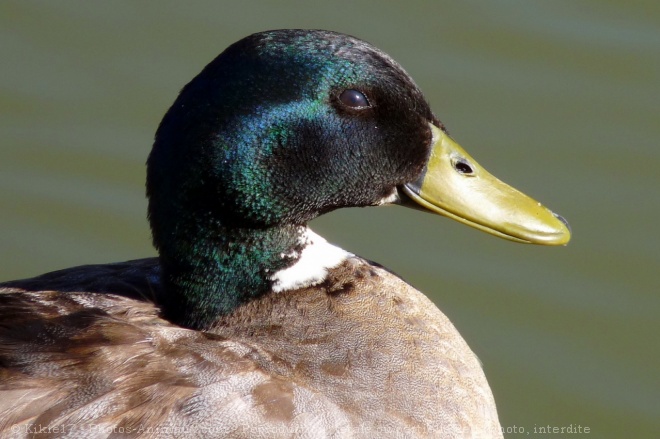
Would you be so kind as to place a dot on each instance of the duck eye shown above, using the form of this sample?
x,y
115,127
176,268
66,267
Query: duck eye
x,y
354,99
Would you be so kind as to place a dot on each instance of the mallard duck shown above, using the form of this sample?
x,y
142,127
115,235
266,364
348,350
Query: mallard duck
x,y
248,324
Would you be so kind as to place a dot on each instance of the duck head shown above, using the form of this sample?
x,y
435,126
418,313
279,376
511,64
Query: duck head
x,y
284,126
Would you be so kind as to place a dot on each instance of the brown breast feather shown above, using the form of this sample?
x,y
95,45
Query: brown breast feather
x,y
360,355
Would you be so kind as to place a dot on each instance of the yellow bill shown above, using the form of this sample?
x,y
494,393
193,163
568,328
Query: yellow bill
x,y
456,186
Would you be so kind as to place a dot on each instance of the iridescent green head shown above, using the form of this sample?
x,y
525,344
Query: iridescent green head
x,y
267,133
284,126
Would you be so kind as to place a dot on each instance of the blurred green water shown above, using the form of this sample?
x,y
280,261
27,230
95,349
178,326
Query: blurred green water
x,y
558,98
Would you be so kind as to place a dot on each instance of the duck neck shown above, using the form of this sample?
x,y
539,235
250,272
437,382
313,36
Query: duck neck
x,y
210,270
